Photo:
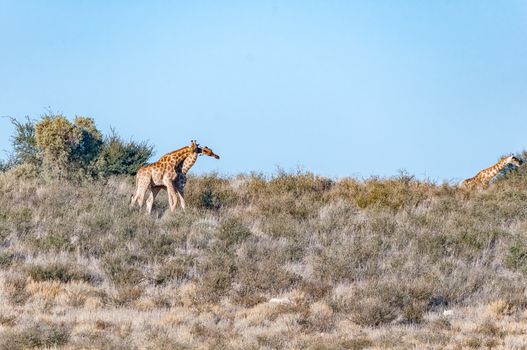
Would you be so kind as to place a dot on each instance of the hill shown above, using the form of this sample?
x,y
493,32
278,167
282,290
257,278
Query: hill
x,y
292,261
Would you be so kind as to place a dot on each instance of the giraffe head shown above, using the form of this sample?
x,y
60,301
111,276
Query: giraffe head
x,y
512,160
208,152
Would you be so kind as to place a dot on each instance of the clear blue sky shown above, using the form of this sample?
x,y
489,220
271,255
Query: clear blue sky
x,y
340,88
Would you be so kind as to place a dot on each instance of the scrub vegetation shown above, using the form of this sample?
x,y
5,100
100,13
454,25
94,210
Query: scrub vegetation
x,y
289,261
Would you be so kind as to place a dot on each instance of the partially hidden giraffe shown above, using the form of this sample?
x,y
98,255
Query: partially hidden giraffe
x,y
164,174
482,179
182,171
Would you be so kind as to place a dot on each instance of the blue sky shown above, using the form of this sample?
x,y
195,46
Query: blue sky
x,y
339,88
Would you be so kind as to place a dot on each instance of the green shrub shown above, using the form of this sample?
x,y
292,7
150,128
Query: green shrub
x,y
348,260
210,192
233,231
23,171
400,192
21,220
24,142
356,343
158,245
121,268
209,199
260,269
5,165
217,272
37,335
74,149
490,328
516,257
51,242
8,258
67,147
379,301
299,183
119,157
59,272
177,268
373,312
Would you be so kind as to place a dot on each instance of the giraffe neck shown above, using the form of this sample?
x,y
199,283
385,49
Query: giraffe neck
x,y
189,162
175,159
489,173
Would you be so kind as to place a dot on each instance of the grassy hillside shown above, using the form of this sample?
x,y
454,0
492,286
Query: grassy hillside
x,y
293,261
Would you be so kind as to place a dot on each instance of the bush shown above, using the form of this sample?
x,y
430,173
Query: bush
x,y
7,259
118,157
173,269
5,165
233,231
74,149
23,171
121,270
377,302
217,272
347,260
59,272
516,257
67,147
158,245
210,192
394,193
39,335
260,269
24,142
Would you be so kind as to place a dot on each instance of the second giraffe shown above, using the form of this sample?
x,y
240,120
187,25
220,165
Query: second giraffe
x,y
482,179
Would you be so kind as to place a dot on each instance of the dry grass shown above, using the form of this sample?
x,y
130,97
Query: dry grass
x,y
295,261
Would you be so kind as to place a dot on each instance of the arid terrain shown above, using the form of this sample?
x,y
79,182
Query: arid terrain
x,y
292,261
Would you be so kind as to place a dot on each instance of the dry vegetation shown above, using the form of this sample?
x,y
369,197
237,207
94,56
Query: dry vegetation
x,y
295,261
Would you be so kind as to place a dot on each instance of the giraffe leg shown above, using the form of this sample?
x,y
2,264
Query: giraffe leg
x,y
175,195
172,196
181,200
139,195
150,200
141,198
133,198
170,199
180,187
182,181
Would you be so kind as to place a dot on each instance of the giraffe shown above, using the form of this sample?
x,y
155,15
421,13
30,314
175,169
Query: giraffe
x,y
182,171
163,174
482,179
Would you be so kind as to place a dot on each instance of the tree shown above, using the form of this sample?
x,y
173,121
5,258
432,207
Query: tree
x,y
24,143
120,157
67,147
72,149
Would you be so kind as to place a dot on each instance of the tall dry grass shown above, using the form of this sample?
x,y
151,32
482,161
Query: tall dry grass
x,y
291,261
